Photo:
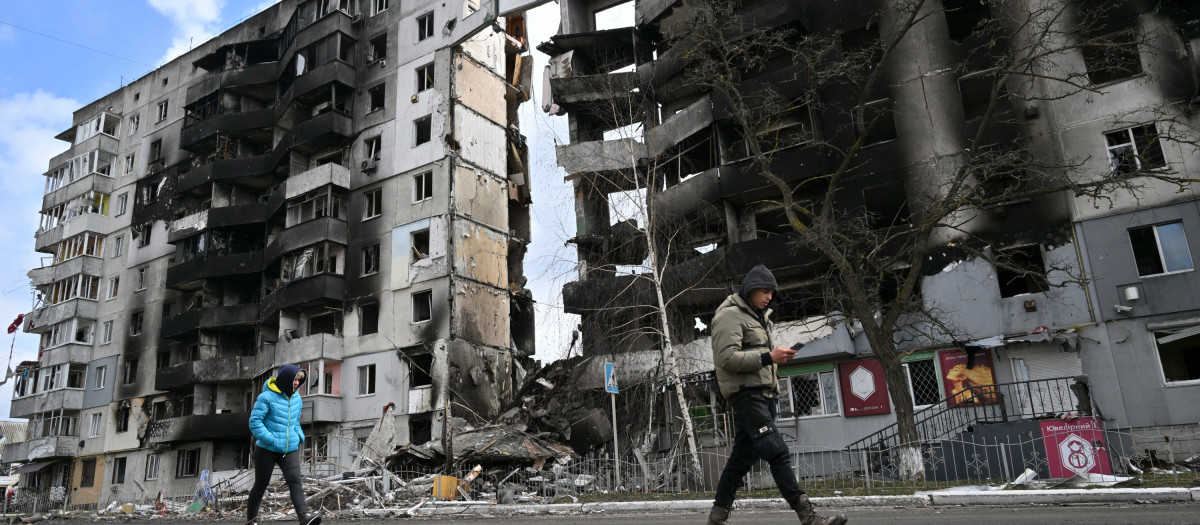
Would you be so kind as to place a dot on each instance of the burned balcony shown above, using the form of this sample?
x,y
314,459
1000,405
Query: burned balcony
x,y
240,56
54,400
742,181
598,52
335,78
324,289
238,316
324,123
321,408
254,213
214,253
43,319
299,349
330,228
208,371
205,427
246,163
217,114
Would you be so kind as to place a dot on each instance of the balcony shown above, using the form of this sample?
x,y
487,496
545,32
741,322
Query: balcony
x,y
309,31
324,288
88,222
54,400
305,85
188,275
584,92
309,348
299,184
39,321
208,371
211,318
253,75
42,448
222,217
57,272
206,130
252,171
741,181
324,130
200,428
90,182
321,408
311,232
68,353
420,400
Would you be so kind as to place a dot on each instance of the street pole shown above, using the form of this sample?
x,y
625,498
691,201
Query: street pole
x,y
616,451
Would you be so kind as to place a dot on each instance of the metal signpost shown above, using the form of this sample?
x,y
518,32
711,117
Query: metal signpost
x,y
610,386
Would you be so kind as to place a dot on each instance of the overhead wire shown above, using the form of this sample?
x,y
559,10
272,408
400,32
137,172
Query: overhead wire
x,y
74,44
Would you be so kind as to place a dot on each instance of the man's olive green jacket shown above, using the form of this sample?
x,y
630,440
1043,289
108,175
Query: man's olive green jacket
x,y
739,340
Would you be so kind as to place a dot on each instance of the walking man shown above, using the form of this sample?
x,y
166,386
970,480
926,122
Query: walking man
x,y
747,372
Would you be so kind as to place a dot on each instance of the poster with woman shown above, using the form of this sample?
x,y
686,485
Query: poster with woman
x,y
968,385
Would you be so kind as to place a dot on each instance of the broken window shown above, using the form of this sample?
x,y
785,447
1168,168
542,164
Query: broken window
x,y
141,278
134,121
118,475
1021,271
1134,149
370,259
420,429
377,49
368,318
327,384
1179,353
187,463
151,466
314,260
975,90
142,233
316,204
327,322
162,360
965,17
87,478
424,27
162,111
419,369
809,394
366,380
135,327
373,147
1160,249
924,385
118,246
422,306
131,363
159,411
423,130
1112,57
422,186
420,244
375,97
129,163
424,77
123,411
886,205
874,122
373,203
122,203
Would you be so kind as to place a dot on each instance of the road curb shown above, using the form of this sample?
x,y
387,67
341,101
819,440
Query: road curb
x,y
1013,497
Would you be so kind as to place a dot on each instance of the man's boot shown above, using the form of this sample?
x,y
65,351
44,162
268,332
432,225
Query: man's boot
x,y
718,516
809,516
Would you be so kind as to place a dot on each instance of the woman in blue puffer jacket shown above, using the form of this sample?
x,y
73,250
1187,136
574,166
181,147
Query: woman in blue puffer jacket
x,y
275,424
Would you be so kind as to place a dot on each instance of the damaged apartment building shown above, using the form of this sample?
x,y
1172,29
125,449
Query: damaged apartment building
x,y
340,184
1133,326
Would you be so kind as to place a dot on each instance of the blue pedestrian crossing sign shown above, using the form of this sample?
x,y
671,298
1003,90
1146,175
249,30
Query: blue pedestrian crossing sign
x,y
610,379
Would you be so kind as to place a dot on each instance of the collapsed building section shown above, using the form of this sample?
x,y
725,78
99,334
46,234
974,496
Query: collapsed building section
x,y
340,185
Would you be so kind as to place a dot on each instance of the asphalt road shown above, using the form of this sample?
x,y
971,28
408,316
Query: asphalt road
x,y
1160,513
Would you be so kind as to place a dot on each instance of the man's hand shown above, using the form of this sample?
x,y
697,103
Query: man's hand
x,y
781,354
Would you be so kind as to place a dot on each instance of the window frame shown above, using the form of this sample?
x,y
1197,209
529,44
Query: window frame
x,y
95,424
164,110
101,378
372,204
106,332
379,6
1154,228
422,186
379,90
415,296
424,77
1130,141
425,28
819,375
366,382
369,253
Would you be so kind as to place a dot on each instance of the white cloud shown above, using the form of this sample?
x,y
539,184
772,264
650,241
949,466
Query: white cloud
x,y
26,145
195,21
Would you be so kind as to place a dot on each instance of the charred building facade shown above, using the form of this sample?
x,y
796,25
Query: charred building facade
x,y
639,124
336,184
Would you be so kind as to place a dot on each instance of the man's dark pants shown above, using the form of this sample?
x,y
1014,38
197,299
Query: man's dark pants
x,y
264,464
757,438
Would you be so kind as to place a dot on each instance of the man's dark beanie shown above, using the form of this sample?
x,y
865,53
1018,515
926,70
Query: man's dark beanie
x,y
758,277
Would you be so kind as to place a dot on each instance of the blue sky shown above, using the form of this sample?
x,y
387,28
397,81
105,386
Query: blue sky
x,y
58,55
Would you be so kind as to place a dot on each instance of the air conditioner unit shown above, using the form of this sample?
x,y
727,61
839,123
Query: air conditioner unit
x,y
357,19
367,165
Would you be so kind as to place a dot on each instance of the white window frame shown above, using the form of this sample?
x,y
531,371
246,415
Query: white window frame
x,y
106,330
94,425
101,377
1159,245
164,109
372,204
425,28
373,147
122,203
134,121
1129,142
118,246
151,467
141,278
825,410
424,77
422,186
130,163
908,376
378,6
413,304
366,380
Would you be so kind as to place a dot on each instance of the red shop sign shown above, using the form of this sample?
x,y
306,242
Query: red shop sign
x,y
864,391
1075,446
